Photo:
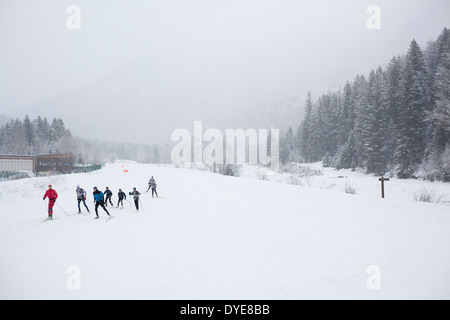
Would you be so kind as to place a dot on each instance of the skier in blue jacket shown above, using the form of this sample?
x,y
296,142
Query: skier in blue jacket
x,y
98,198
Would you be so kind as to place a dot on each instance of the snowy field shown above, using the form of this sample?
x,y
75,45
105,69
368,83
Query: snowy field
x,y
356,182
215,237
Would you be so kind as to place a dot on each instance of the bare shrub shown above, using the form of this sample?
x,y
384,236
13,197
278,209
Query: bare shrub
x,y
349,188
427,195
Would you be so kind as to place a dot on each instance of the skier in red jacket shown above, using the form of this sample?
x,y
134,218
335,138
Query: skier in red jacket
x,y
52,196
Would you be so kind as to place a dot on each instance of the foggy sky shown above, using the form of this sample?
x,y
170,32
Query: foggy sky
x,y
251,49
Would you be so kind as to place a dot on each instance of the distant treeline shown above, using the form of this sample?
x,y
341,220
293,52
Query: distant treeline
x,y
41,136
396,120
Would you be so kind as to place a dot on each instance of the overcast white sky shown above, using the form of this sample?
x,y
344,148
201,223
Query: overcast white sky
x,y
267,47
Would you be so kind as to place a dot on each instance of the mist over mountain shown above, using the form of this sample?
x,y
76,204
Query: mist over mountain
x,y
154,99
3,120
136,72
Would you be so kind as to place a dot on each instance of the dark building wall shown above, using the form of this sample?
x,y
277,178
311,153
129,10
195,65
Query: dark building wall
x,y
56,162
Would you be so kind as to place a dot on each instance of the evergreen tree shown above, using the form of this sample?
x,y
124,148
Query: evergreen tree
x,y
399,117
57,130
290,144
348,112
347,154
393,100
287,147
156,157
412,123
439,145
361,105
298,143
45,132
376,124
307,136
29,131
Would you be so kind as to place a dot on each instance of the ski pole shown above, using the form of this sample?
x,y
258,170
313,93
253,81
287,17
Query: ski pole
x,y
141,204
128,203
61,208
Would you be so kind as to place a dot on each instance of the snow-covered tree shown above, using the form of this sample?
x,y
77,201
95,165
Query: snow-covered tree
x,y
397,117
413,127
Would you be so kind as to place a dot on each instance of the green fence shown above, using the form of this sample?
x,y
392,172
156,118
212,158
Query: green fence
x,y
87,168
8,175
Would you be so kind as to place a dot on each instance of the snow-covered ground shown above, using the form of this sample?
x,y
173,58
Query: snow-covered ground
x,y
356,182
215,237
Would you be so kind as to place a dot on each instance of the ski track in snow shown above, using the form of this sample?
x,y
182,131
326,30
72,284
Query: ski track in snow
x,y
217,237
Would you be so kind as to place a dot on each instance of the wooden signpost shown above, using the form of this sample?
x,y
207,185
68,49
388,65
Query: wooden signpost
x,y
383,179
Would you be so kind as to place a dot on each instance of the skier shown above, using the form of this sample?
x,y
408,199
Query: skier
x,y
108,193
81,196
121,196
152,184
135,195
98,198
52,196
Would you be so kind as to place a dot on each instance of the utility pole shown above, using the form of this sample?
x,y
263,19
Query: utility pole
x,y
383,179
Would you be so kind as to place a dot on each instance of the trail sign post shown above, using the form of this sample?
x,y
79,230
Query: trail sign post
x,y
383,179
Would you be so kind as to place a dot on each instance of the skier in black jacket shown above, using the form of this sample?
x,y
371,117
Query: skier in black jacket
x,y
108,193
121,196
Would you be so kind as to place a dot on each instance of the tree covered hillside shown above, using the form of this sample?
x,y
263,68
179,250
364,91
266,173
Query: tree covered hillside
x,y
396,119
